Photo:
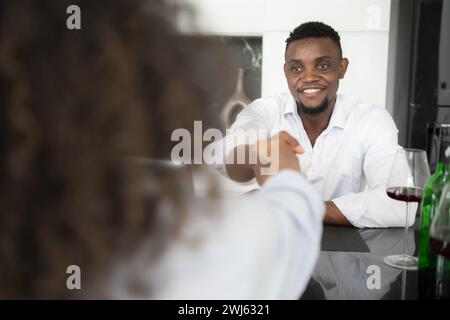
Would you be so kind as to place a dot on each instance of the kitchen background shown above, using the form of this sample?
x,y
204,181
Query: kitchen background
x,y
398,51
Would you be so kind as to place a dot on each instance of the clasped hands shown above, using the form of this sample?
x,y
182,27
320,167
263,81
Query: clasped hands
x,y
274,154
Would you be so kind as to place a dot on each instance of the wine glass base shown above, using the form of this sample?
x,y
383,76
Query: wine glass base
x,y
401,261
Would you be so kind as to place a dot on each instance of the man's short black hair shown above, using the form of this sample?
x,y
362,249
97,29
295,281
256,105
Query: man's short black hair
x,y
314,29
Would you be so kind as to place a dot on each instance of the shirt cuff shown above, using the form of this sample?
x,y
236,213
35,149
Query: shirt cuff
x,y
352,207
374,209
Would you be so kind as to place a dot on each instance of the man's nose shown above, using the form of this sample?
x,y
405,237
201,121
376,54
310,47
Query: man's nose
x,y
310,75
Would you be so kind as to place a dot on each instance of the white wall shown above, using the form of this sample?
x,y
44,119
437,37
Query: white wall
x,y
362,24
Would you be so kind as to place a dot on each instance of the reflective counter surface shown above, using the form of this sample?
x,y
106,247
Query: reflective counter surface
x,y
350,265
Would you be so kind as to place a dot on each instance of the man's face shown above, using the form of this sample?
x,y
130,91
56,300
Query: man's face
x,y
313,68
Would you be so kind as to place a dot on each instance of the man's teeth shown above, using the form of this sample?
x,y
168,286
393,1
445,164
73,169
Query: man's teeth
x,y
311,90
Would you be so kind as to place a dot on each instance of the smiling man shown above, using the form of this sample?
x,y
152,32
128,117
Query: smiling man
x,y
347,145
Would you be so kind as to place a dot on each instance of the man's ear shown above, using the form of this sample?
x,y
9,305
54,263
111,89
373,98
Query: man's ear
x,y
343,67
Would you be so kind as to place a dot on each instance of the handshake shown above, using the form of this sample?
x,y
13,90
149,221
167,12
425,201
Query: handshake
x,y
265,158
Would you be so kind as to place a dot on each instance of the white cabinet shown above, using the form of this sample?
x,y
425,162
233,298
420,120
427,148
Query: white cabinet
x,y
342,15
226,17
253,17
366,75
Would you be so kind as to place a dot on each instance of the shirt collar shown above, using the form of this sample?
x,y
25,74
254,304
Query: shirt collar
x,y
338,117
290,106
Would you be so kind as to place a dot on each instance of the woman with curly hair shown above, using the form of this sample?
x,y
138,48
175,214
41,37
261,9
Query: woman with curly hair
x,y
75,107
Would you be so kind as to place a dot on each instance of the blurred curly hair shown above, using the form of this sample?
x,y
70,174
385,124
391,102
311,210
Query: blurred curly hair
x,y
72,102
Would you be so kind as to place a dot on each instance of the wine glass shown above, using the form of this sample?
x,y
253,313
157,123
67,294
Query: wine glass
x,y
407,178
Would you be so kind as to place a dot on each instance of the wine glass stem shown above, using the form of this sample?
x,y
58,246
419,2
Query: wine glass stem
x,y
404,285
405,242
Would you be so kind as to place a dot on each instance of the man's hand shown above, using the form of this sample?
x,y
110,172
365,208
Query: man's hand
x,y
274,154
334,216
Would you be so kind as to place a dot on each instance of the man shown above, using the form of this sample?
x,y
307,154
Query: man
x,y
345,143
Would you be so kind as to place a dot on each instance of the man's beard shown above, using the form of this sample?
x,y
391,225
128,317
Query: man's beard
x,y
312,111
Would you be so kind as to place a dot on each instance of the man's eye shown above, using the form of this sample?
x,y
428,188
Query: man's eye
x,y
296,69
324,66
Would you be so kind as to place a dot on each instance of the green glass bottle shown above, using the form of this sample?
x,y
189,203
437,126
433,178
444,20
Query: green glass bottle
x,y
440,243
430,201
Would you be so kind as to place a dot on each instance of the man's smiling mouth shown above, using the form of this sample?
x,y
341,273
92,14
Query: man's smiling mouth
x,y
311,91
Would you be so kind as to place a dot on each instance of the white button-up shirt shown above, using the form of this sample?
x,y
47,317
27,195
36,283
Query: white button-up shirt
x,y
355,150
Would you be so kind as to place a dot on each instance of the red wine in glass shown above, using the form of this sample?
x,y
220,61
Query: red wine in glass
x,y
406,194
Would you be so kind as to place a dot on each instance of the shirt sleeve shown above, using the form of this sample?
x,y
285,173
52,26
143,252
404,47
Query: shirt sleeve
x,y
254,122
300,210
263,247
373,208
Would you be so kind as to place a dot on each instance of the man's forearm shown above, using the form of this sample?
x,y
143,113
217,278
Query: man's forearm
x,y
334,216
239,172
245,172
